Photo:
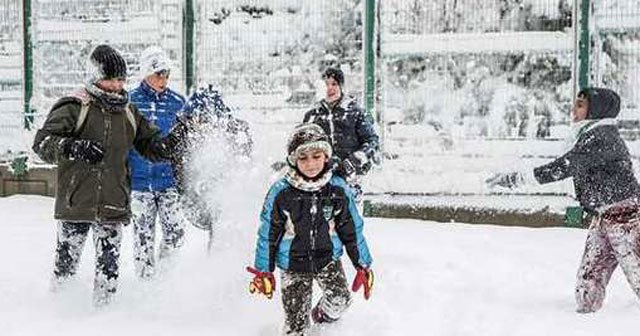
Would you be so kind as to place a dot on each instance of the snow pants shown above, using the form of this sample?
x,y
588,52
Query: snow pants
x,y
147,207
612,240
107,237
297,296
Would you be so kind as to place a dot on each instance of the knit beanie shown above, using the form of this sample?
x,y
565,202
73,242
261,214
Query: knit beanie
x,y
106,63
152,60
334,73
305,137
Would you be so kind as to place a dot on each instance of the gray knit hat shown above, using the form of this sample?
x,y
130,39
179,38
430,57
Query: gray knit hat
x,y
304,137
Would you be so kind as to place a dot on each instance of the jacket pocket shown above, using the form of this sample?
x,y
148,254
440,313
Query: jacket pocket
x,y
74,185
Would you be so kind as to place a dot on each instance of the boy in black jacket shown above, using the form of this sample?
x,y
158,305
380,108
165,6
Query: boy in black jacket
x,y
606,188
349,128
307,218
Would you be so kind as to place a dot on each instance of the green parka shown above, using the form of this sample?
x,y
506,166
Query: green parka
x,y
95,192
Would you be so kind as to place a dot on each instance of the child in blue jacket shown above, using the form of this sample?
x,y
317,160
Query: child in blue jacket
x,y
154,195
308,217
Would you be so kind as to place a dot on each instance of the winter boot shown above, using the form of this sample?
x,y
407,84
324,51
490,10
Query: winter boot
x,y
318,316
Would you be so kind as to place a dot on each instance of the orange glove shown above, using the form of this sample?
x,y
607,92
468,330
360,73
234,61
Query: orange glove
x,y
263,282
364,277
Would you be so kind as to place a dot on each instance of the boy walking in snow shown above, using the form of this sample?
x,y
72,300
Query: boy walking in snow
x,y
154,196
349,129
88,135
307,218
606,188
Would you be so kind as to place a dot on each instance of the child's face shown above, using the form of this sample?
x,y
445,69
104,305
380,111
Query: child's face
x,y
333,90
311,162
580,110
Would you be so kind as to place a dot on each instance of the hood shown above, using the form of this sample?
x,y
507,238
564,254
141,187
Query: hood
x,y
603,103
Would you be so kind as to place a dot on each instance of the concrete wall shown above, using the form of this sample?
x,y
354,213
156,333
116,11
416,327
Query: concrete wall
x,y
36,181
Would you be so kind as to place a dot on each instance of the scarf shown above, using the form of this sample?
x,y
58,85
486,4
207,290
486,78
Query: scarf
x,y
582,127
303,183
110,100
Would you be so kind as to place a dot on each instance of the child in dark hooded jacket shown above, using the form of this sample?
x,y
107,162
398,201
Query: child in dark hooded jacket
x,y
606,188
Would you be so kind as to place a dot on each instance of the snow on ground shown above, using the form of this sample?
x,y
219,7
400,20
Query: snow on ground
x,y
431,279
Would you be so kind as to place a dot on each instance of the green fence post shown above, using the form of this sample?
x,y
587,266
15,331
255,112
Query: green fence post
x,y
369,57
584,43
573,216
27,69
188,31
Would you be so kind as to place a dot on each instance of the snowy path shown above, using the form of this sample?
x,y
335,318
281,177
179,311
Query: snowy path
x,y
432,279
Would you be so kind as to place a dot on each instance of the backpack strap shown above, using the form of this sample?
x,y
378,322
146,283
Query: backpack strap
x,y
131,118
83,97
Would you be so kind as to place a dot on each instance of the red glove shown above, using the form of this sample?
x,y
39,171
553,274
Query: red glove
x,y
364,277
263,282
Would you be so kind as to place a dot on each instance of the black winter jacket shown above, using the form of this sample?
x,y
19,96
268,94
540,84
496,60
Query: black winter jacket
x,y
599,163
348,126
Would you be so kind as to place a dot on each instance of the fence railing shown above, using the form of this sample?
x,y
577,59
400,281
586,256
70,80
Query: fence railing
x,y
491,68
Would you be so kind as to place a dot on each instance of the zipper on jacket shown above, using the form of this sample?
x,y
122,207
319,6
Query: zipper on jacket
x,y
313,211
107,131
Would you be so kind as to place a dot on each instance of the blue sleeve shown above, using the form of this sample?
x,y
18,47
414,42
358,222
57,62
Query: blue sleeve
x,y
349,227
270,231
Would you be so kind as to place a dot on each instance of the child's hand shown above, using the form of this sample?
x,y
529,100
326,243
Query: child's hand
x,y
263,282
364,277
506,180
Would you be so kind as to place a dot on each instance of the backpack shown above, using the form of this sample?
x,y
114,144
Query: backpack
x,y
83,97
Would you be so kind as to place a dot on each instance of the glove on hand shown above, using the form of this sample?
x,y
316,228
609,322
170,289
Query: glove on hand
x,y
507,180
364,277
355,164
88,151
263,282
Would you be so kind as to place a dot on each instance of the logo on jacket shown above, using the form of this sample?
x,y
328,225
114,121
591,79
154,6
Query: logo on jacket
x,y
327,211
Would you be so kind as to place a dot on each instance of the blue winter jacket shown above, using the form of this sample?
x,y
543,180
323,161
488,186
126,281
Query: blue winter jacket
x,y
303,231
160,109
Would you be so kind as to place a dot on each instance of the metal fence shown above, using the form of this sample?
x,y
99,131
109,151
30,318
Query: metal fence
x,y
11,85
494,68
615,59
272,52
64,32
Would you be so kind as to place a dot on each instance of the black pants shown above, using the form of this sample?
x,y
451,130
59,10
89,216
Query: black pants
x,y
297,296
107,237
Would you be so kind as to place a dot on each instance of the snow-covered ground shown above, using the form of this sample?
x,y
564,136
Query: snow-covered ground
x,y
432,279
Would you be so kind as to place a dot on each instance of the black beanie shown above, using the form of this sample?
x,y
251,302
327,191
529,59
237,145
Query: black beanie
x,y
603,103
108,62
334,73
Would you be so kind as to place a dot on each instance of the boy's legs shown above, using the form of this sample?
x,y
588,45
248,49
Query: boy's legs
x,y
625,241
172,222
70,242
336,297
144,211
296,299
107,237
597,265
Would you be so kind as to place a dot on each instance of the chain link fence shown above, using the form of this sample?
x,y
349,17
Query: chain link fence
x,y
65,32
11,86
489,69
616,54
271,53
